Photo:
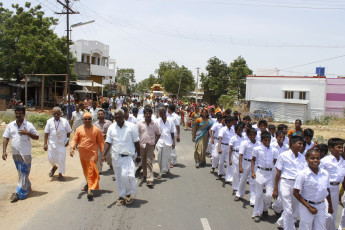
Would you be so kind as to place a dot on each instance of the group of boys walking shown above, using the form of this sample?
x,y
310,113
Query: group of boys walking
x,y
295,171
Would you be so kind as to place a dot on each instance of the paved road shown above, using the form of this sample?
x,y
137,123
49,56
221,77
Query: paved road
x,y
189,199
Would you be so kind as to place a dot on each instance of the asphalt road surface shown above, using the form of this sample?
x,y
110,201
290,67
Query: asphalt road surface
x,y
188,198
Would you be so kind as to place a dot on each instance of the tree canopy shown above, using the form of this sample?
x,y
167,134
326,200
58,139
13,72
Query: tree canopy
x,y
28,43
222,79
126,77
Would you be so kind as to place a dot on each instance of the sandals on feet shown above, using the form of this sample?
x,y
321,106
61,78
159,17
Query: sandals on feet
x,y
52,171
129,200
86,187
120,201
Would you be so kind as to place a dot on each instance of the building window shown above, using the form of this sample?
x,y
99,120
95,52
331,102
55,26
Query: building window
x,y
302,95
288,94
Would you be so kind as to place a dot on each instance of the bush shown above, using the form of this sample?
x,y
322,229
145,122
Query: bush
x,y
39,121
323,120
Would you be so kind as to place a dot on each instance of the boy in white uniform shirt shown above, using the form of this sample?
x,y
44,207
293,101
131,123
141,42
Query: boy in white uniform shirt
x,y
235,143
334,164
308,135
246,151
284,128
224,136
262,127
214,132
288,165
262,164
310,189
281,146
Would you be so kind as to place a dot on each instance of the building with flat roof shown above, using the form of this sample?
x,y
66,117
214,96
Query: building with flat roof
x,y
287,97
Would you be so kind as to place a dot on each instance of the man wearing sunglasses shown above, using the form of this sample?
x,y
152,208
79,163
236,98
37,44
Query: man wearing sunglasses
x,y
88,138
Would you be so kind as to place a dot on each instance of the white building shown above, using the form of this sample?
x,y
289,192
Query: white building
x,y
93,61
288,98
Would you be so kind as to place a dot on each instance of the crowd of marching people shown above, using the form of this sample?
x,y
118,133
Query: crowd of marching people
x,y
301,177
306,179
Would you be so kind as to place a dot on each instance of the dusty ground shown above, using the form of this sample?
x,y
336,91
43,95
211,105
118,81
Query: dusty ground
x,y
46,190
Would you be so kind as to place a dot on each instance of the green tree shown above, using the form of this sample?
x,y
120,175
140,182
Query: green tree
x,y
28,44
216,81
126,77
146,84
238,72
175,79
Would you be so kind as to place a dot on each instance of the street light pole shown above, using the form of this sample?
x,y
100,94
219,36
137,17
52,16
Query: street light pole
x,y
197,84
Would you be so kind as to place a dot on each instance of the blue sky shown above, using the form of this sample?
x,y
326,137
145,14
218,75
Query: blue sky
x,y
267,33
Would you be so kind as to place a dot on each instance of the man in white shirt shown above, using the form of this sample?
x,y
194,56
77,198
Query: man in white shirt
x,y
177,121
56,139
118,102
123,137
166,141
77,118
288,165
94,112
20,131
262,165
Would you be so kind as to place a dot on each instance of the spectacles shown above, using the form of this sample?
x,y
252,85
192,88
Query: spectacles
x,y
87,119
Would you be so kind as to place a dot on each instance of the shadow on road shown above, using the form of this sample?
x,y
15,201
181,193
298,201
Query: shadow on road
x,y
109,172
67,178
96,193
137,203
37,193
178,165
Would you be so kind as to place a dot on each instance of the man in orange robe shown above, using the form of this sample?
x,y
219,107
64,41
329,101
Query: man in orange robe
x,y
88,138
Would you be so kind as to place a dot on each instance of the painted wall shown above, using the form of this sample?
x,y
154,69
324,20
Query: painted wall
x,y
335,96
274,87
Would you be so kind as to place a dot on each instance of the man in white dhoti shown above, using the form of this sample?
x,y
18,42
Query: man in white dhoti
x,y
176,120
56,139
123,137
166,141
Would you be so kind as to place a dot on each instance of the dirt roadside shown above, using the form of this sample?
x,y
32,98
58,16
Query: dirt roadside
x,y
45,190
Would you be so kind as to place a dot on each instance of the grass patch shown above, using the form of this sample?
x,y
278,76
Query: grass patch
x,y
7,118
323,120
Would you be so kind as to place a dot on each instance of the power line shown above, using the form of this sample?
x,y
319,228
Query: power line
x,y
309,63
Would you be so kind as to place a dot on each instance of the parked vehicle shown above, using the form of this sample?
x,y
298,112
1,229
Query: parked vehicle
x,y
14,103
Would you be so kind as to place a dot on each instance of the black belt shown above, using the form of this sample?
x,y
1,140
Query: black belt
x,y
225,143
247,159
216,138
288,179
312,202
266,169
123,155
235,151
334,183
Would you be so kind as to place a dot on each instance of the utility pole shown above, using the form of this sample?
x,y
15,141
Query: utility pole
x,y
179,85
68,12
197,84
